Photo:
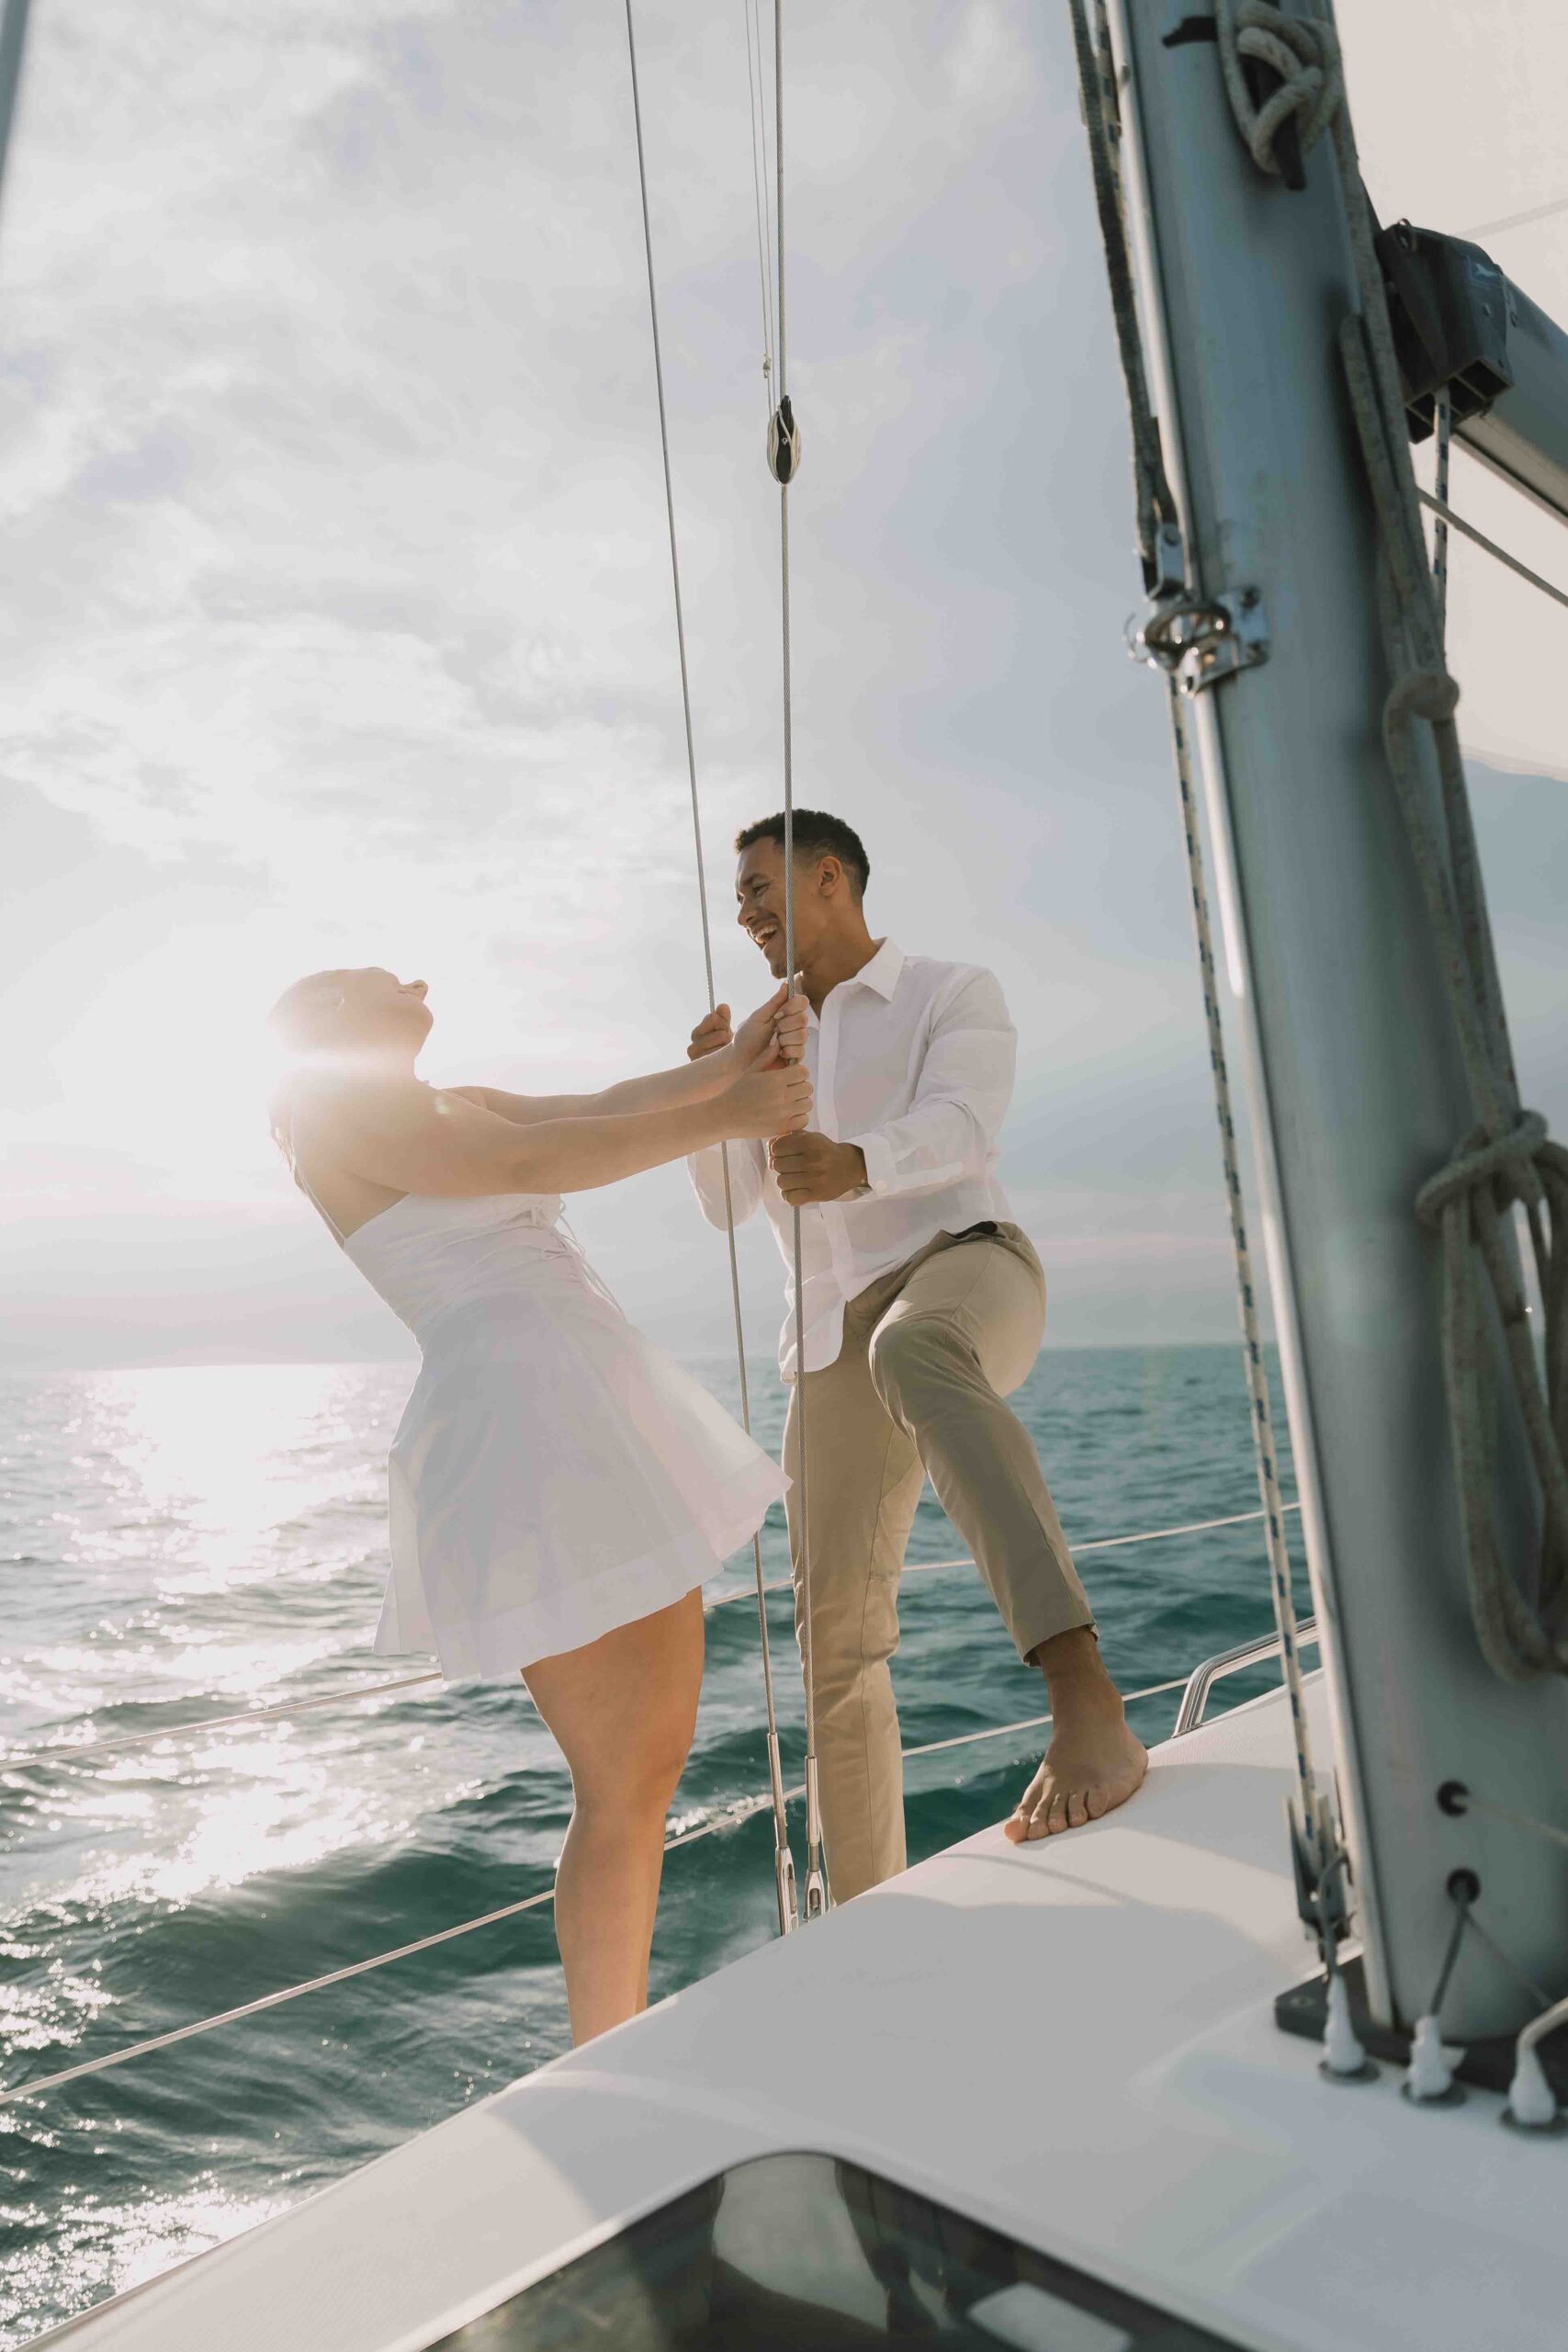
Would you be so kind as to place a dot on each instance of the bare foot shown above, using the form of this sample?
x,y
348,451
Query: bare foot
x,y
1094,1763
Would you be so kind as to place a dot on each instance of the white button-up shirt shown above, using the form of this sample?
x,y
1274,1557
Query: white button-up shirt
x,y
912,1060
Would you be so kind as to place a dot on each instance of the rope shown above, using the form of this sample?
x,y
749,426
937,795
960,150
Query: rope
x,y
783,1860
783,455
1155,506
1158,520
1518,219
1472,1803
1443,422
1449,520
762,201
1305,58
13,2094
1506,1159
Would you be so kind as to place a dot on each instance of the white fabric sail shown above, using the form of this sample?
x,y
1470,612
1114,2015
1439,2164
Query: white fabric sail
x,y
1459,118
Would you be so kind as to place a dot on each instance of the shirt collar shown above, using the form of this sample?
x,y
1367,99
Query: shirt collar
x,y
884,969
882,974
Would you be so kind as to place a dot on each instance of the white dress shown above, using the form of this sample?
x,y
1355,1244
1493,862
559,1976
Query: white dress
x,y
554,1474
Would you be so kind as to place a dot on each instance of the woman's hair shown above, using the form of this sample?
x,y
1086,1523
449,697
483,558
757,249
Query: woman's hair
x,y
305,1018
305,1021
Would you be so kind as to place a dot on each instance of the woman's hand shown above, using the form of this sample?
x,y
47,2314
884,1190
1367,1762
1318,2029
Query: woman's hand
x,y
765,1102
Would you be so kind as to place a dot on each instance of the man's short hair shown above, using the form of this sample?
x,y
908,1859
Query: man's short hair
x,y
815,835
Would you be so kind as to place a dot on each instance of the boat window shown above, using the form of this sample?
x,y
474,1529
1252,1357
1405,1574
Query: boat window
x,y
806,2254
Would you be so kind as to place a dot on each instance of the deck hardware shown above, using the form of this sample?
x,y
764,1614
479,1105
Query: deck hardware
x,y
1453,1798
1429,2078
1197,640
1344,2060
1533,2103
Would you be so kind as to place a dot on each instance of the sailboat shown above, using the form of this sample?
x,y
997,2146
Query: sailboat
x,y
1272,2057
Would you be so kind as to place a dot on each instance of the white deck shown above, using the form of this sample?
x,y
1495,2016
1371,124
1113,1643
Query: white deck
x,y
1072,2040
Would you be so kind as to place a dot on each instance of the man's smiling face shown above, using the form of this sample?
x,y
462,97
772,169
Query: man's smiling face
x,y
760,895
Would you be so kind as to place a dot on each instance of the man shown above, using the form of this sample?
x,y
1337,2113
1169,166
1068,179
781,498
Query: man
x,y
924,1306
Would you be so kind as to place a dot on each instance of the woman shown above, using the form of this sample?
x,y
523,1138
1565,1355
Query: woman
x,y
560,1489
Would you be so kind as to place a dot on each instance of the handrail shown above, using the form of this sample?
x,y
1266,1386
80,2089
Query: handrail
x,y
58,1751
731,1817
1194,1700
1201,1680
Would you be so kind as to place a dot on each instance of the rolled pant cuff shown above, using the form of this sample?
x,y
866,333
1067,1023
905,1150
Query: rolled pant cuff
x,y
1064,1616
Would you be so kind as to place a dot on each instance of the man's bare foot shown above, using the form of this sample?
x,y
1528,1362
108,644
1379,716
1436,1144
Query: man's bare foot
x,y
1094,1763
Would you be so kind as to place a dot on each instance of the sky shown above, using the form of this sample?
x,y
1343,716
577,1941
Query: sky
x,y
338,625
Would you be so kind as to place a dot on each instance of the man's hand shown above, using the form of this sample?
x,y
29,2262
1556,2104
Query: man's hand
x,y
711,1034
810,1168
775,1033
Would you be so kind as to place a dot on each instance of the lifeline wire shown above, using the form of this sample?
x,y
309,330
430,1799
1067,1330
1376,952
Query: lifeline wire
x,y
13,2094
783,1860
68,1751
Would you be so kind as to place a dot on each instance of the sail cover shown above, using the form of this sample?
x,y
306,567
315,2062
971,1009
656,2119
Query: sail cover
x,y
1459,115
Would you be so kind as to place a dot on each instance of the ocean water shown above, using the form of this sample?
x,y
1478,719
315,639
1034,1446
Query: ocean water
x,y
179,1545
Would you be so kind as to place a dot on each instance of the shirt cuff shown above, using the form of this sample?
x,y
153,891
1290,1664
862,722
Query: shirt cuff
x,y
878,1153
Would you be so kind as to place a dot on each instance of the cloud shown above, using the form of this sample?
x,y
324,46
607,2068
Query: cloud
x,y
329,456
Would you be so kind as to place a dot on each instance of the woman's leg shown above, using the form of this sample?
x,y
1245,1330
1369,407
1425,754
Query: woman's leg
x,y
623,1710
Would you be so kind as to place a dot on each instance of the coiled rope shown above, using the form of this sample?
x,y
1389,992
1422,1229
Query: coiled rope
x,y
783,1860
1157,523
1304,55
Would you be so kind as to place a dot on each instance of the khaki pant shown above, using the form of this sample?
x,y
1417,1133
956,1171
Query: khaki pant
x,y
929,1352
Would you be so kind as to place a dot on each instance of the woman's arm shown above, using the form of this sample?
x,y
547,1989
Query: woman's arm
x,y
411,1139
776,1031
663,1089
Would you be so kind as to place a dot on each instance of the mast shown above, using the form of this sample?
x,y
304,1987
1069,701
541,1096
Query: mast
x,y
1357,1089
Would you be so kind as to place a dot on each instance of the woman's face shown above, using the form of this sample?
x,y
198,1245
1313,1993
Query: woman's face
x,y
379,1009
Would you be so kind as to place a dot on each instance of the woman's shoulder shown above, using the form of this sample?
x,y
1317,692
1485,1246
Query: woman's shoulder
x,y
316,1104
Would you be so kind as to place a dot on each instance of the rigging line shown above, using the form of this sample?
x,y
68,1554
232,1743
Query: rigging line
x,y
1472,1803
1519,220
733,1817
783,454
1314,1831
1501,1953
1440,507
783,1862
1443,422
759,190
